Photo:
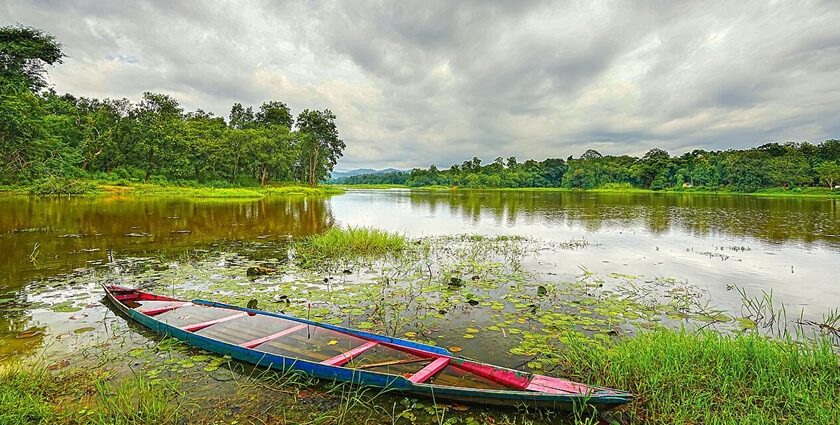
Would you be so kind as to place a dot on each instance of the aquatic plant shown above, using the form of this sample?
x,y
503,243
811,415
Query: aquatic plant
x,y
351,242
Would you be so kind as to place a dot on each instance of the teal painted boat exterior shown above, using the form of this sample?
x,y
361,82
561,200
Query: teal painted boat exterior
x,y
517,388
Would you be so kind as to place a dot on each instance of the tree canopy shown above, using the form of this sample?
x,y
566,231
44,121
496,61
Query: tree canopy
x,y
25,53
746,170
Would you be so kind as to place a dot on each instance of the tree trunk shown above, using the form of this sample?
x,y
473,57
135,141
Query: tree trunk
x,y
149,164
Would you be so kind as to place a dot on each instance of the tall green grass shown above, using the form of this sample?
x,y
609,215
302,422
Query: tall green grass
x,y
136,401
709,378
32,395
25,395
352,242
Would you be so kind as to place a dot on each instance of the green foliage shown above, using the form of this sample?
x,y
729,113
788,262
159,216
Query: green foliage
x,y
320,147
61,186
707,377
43,134
24,54
788,166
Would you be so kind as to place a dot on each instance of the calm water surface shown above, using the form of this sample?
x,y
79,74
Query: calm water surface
x,y
788,246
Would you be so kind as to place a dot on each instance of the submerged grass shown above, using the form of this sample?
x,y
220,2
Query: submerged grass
x,y
705,377
352,242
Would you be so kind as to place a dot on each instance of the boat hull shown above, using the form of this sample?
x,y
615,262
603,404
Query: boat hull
x,y
506,398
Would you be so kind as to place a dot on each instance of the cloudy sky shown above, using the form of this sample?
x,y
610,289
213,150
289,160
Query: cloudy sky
x,y
415,83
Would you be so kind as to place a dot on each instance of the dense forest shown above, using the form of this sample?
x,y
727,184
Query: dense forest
x,y
44,135
786,165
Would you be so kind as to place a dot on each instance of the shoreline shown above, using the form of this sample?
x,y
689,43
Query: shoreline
x,y
89,188
770,192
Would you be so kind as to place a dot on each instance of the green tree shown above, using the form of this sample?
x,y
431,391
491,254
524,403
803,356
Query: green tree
x,y
241,118
157,133
274,113
320,147
828,173
25,52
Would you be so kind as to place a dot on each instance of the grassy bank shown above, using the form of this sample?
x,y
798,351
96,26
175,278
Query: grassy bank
x,y
706,377
63,187
818,192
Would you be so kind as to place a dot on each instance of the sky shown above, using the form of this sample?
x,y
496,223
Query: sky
x,y
419,82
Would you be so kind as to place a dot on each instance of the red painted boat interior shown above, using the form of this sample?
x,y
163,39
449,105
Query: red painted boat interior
x,y
330,347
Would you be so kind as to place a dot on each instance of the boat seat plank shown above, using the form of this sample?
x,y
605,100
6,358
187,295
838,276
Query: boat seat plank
x,y
345,357
430,370
202,325
164,308
453,376
284,332
192,314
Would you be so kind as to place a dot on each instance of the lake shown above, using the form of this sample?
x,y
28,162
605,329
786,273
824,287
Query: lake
x,y
714,243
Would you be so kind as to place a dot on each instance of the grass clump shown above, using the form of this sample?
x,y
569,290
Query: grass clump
x,y
352,242
706,377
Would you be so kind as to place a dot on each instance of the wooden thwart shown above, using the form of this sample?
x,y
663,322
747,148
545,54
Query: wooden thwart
x,y
156,311
430,370
202,325
263,340
347,356
389,363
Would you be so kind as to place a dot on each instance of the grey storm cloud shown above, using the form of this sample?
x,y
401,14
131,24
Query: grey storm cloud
x,y
415,83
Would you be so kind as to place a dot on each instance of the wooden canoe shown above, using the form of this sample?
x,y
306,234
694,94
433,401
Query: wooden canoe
x,y
335,353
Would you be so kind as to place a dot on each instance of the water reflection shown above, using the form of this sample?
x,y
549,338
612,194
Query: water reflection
x,y
770,219
41,237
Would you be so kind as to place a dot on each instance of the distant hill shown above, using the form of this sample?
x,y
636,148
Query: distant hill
x,y
359,171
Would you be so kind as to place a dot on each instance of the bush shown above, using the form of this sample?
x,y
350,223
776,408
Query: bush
x,y
60,186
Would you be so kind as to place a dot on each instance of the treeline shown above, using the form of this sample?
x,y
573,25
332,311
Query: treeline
x,y
771,165
43,134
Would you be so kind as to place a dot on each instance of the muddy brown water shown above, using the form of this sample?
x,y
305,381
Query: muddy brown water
x,y
790,246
